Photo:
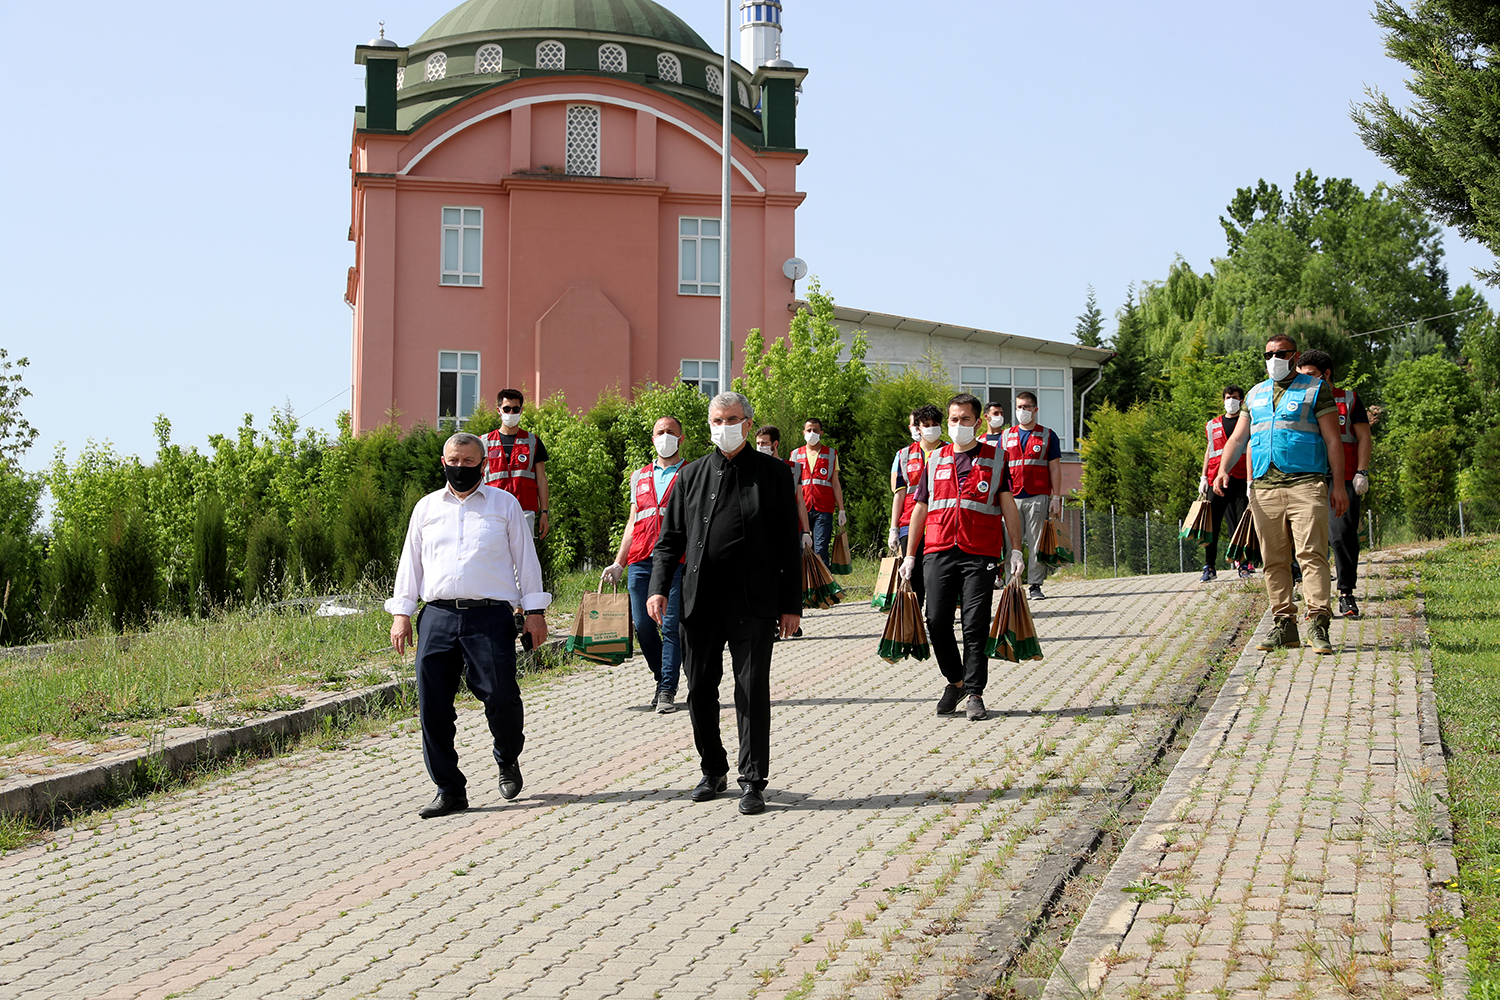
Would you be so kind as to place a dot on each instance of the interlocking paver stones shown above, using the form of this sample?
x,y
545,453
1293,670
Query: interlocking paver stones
x,y
891,840
1301,834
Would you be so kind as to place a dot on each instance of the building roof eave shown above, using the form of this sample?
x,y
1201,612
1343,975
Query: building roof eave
x,y
1081,354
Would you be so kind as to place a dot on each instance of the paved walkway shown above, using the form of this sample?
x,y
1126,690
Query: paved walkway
x,y
1300,847
894,839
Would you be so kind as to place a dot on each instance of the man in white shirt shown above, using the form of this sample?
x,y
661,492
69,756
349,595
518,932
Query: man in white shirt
x,y
469,556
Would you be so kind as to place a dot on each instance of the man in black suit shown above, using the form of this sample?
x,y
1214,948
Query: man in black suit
x,y
734,515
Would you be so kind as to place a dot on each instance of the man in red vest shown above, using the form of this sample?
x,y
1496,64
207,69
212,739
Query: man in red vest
x,y
1235,500
516,461
994,419
768,442
908,469
1035,459
818,471
1354,432
650,486
963,509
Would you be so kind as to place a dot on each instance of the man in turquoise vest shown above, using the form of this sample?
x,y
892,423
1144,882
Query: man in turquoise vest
x,y
1295,454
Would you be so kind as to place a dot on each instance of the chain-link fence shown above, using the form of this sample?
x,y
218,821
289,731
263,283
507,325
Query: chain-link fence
x,y
1109,543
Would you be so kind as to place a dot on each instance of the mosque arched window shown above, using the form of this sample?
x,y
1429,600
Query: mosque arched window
x,y
583,140
437,66
550,55
612,58
400,77
668,68
489,59
715,80
744,94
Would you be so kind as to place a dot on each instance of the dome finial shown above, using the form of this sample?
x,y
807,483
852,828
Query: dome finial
x,y
382,35
383,42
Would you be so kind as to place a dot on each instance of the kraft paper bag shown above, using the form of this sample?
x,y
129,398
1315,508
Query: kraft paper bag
x,y
602,628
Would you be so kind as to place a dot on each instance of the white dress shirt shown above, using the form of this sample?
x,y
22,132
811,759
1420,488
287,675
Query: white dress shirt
x,y
477,548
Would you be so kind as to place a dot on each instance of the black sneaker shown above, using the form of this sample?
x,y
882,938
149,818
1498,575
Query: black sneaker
x,y
1209,573
1347,607
974,709
948,703
1283,635
1034,593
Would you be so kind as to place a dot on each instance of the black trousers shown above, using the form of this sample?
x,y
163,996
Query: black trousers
x,y
1343,538
955,576
478,644
749,638
1227,511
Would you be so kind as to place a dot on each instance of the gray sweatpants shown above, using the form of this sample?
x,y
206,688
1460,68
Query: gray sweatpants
x,y
1033,516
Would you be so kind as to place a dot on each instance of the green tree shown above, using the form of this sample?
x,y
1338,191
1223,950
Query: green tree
x,y
1090,328
1428,393
1445,144
1429,479
1124,382
70,579
210,576
128,570
266,551
16,433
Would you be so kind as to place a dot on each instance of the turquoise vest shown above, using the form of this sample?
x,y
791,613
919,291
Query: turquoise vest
x,y
1289,434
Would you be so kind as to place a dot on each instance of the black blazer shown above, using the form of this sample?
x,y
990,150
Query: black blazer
x,y
772,570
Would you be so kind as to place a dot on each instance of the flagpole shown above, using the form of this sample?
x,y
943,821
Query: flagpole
x,y
726,349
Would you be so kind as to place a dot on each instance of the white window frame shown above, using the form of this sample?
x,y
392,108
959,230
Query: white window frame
x,y
577,152
1002,379
616,50
435,68
483,51
458,368
461,277
562,51
697,379
668,68
694,284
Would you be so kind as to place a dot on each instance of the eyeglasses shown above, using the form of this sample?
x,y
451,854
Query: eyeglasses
x,y
1284,355
510,409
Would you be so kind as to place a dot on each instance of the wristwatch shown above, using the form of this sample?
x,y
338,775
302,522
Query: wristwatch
x,y
543,612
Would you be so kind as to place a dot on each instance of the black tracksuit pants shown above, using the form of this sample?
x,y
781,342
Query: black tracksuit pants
x,y
957,577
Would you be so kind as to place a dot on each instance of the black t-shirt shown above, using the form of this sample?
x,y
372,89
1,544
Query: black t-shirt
x,y
963,464
724,547
539,450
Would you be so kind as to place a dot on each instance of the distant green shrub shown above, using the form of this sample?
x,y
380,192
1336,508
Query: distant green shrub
x,y
1429,480
266,550
128,570
362,532
70,579
313,552
210,576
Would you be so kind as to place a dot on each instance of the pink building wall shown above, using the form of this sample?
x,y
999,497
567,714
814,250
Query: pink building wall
x,y
580,274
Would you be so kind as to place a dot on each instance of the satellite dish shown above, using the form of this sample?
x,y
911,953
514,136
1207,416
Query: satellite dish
x,y
795,268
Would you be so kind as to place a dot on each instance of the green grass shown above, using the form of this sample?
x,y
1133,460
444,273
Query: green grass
x,y
1462,584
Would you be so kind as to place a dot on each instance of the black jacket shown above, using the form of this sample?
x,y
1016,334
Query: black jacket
x,y
772,574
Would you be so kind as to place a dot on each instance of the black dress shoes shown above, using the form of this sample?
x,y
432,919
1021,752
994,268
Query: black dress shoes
x,y
510,780
442,805
752,801
710,786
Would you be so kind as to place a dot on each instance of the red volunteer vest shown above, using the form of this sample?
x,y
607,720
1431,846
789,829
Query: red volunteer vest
x,y
915,465
1345,402
517,476
817,481
649,511
967,518
1216,438
1028,472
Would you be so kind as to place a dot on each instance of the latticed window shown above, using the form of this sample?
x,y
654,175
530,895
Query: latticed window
x,y
715,80
744,95
437,66
612,58
668,68
550,55
400,77
583,140
489,59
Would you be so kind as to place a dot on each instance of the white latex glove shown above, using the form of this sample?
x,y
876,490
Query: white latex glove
x,y
893,540
1055,507
1202,486
612,575
1361,484
807,540
843,519
1016,563
908,567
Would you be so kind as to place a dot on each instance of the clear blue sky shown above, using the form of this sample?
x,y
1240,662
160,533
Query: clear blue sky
x,y
176,192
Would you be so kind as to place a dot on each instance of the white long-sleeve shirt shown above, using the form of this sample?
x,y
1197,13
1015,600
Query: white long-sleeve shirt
x,y
477,548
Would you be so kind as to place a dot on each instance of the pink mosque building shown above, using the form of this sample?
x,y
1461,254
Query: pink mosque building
x,y
536,200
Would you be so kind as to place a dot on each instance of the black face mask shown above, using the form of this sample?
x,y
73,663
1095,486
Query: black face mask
x,y
463,478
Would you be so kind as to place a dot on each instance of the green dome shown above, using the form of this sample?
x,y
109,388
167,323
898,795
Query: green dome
x,y
641,18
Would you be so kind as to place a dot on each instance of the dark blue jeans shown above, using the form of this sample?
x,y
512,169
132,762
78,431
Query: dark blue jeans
x,y
822,532
478,644
662,647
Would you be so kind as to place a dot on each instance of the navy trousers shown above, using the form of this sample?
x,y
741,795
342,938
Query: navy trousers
x,y
479,645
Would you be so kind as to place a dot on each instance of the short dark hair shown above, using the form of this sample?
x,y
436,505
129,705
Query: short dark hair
x,y
928,412
1281,338
1235,389
1317,359
995,404
672,417
967,399
515,394
770,431
1026,394
814,420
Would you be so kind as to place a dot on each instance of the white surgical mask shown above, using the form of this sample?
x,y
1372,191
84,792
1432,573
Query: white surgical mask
x,y
727,437
997,420
1025,416
931,434
766,449
1231,406
1278,368
666,445
916,432
961,433
811,437
510,419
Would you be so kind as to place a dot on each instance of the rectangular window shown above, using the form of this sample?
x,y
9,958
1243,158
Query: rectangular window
x,y
698,257
458,386
463,236
583,140
701,375
1000,385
